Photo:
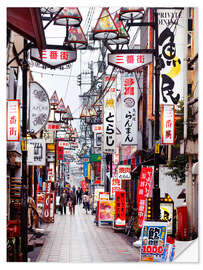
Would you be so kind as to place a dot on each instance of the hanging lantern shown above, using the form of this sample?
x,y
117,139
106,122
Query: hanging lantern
x,y
131,13
69,16
77,37
61,107
123,37
85,112
92,112
105,27
54,99
67,115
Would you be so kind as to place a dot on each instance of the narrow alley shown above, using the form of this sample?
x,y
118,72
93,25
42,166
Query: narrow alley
x,y
77,239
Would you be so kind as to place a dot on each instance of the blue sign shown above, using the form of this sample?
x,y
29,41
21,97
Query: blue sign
x,y
85,169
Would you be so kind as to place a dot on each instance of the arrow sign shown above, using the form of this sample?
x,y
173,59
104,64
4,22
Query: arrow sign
x,y
129,62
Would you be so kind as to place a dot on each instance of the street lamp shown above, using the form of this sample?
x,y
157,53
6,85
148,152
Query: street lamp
x,y
131,13
70,16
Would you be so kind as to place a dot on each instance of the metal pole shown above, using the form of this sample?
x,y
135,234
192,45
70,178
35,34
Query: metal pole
x,y
156,189
24,157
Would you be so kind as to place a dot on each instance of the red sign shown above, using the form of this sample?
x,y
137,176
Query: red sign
x,y
120,208
104,196
13,120
97,182
84,185
60,153
142,192
47,200
53,126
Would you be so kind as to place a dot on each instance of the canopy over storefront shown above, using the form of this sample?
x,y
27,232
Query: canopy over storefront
x,y
28,23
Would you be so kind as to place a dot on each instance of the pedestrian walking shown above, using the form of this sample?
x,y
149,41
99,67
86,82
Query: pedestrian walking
x,y
78,196
63,202
70,205
86,204
73,198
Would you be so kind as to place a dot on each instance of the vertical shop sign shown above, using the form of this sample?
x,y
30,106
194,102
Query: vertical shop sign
x,y
47,201
110,115
168,124
153,241
129,109
36,152
13,120
144,186
172,43
60,153
124,172
119,208
115,186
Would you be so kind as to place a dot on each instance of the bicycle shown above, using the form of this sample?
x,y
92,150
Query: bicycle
x,y
129,229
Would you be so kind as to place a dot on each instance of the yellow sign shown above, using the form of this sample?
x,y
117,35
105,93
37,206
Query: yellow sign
x,y
24,144
89,171
156,148
51,147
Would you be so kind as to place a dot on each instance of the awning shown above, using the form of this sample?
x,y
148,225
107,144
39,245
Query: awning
x,y
28,23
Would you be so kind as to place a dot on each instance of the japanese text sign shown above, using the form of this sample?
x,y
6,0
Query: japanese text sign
x,y
124,172
153,241
129,119
104,196
172,41
129,62
120,208
143,189
110,115
51,126
168,124
115,186
106,210
36,149
53,57
60,153
13,120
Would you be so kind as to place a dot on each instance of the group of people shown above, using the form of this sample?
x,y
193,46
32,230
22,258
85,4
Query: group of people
x,y
71,197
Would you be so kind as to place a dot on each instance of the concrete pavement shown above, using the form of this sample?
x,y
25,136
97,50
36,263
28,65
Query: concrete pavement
x,y
78,239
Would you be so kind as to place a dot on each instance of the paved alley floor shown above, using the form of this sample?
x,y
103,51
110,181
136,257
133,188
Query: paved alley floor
x,y
78,239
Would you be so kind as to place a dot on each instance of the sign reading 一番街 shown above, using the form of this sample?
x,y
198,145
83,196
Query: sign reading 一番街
x,y
36,149
168,124
172,41
53,56
129,109
13,120
39,107
110,114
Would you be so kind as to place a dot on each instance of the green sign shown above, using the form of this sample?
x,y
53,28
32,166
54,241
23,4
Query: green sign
x,y
95,158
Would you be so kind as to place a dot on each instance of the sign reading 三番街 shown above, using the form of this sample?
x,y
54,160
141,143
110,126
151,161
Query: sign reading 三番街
x,y
129,61
39,107
129,110
110,114
168,124
36,150
172,41
53,56
13,120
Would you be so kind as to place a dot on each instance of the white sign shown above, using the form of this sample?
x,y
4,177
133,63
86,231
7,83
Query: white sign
x,y
13,120
48,135
39,107
124,172
36,152
129,62
129,116
115,185
53,57
110,115
168,124
172,36
64,144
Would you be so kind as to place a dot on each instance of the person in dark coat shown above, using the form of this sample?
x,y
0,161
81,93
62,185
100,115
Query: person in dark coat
x,y
73,198
78,196
63,202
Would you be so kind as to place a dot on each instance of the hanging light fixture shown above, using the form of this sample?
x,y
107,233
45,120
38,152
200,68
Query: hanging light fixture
x,y
54,99
105,28
61,107
67,115
131,13
77,37
123,37
85,112
92,112
69,16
